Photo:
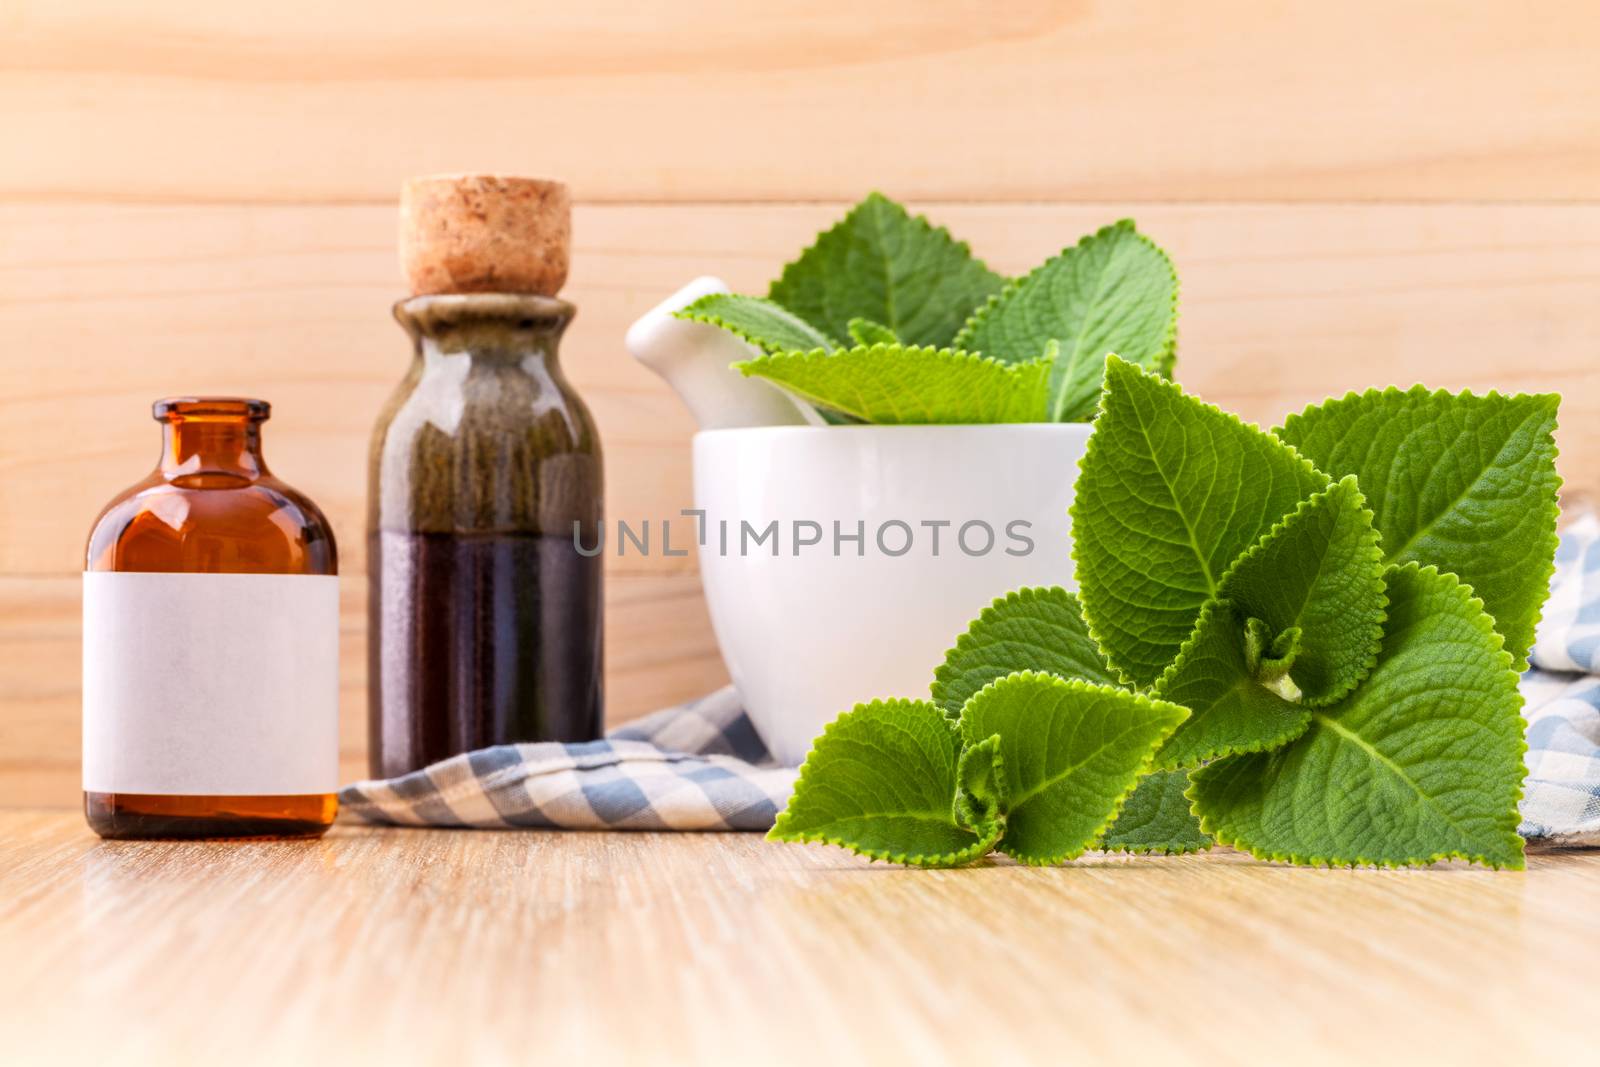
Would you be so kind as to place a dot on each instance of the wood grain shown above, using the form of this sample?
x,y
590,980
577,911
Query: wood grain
x,y
110,306
724,100
659,651
487,948
200,198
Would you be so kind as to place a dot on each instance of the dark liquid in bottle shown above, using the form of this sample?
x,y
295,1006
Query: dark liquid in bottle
x,y
480,639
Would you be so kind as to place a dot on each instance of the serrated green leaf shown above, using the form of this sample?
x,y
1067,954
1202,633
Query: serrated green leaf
x,y
1466,483
1028,630
768,326
1320,572
1267,657
895,384
1170,492
1157,818
1114,291
882,264
981,798
1070,752
1423,761
1230,710
867,332
881,781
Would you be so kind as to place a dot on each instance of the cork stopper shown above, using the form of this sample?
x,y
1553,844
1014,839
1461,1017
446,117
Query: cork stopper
x,y
484,233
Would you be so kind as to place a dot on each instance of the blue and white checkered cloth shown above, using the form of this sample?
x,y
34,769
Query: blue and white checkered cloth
x,y
1561,695
701,766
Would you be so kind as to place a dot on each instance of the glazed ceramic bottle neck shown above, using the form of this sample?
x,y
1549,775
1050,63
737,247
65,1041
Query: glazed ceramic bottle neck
x,y
507,328
211,435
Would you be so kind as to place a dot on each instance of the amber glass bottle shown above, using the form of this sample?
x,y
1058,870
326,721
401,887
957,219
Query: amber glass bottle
x,y
210,642
485,619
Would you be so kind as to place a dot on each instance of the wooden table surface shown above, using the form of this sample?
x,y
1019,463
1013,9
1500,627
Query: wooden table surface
x,y
481,947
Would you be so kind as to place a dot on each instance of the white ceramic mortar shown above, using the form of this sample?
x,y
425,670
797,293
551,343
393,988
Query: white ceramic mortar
x,y
807,636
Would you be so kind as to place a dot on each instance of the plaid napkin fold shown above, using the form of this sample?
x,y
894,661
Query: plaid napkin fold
x,y
701,766
1561,699
698,766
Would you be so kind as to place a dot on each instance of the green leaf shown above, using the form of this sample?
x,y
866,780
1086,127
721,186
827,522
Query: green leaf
x,y
1466,483
1028,630
867,332
881,781
1070,752
981,799
1229,708
1114,291
1157,818
880,263
768,326
1319,572
1169,494
1422,762
1269,658
895,384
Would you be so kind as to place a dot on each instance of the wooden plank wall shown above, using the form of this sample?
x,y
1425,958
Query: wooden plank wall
x,y
201,198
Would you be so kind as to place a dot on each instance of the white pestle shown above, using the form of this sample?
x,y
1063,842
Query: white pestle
x,y
696,360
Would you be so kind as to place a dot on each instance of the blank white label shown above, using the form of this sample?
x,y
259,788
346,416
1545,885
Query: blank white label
x,y
210,684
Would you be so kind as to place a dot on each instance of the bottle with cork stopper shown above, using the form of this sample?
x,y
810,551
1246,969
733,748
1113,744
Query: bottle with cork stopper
x,y
485,478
